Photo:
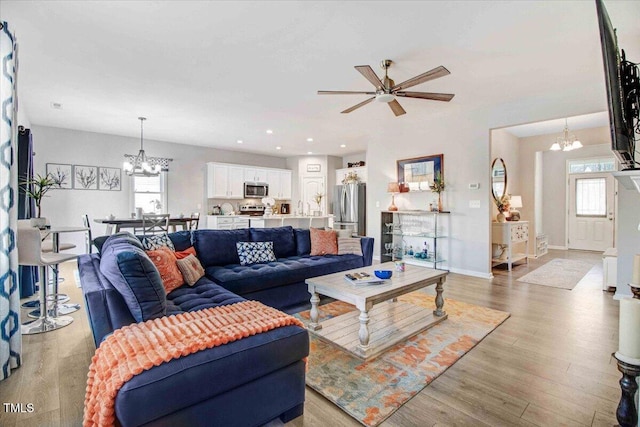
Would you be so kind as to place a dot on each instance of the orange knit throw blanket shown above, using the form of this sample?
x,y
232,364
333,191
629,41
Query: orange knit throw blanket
x,y
141,346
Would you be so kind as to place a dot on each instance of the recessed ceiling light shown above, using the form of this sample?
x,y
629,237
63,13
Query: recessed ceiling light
x,y
309,139
309,152
278,148
239,141
343,145
269,131
56,106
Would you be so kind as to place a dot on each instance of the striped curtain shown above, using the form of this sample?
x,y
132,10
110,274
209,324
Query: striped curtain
x,y
10,338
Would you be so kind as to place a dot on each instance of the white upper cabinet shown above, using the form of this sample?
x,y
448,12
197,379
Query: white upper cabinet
x,y
255,174
226,181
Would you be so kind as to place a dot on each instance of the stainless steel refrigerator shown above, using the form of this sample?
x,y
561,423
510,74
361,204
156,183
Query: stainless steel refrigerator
x,y
350,207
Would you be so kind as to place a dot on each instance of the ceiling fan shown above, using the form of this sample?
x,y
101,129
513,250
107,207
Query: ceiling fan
x,y
387,90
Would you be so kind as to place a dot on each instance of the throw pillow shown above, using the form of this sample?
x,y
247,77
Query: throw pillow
x,y
323,242
165,261
349,245
157,241
255,252
183,254
191,269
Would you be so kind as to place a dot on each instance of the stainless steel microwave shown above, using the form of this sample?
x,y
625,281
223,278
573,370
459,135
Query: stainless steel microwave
x,y
256,190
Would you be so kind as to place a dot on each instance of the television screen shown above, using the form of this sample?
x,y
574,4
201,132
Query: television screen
x,y
620,121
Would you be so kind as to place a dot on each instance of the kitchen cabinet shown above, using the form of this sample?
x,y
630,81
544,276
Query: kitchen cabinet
x,y
507,235
252,174
225,181
342,173
227,222
279,184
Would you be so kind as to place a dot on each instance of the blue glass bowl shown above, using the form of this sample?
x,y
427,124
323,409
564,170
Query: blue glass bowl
x,y
383,274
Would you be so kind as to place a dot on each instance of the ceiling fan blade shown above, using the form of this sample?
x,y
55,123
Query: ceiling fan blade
x,y
424,77
397,108
427,95
370,75
355,107
343,92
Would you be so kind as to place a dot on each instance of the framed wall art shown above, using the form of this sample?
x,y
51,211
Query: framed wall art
x,y
417,173
313,167
61,174
109,179
85,177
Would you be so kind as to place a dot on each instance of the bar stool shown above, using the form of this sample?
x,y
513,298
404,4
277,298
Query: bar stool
x,y
88,239
30,253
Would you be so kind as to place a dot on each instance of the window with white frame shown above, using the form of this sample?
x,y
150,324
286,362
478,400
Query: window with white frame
x,y
150,193
591,197
592,165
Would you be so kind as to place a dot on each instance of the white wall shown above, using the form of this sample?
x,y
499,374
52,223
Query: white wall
x,y
628,236
186,177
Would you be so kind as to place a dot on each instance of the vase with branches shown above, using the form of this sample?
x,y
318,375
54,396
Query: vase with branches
x,y
36,188
437,186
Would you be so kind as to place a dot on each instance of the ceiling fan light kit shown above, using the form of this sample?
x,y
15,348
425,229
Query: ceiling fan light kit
x,y
387,91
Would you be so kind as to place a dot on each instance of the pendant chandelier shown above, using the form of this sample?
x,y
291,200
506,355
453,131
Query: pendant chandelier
x,y
140,165
566,142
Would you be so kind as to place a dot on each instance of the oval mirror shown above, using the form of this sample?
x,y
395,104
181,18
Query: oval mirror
x,y
498,178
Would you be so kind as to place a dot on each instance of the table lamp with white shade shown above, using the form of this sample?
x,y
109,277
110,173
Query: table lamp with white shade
x,y
515,202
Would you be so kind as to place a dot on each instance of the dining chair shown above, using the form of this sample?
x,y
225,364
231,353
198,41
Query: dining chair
x,y
88,238
195,221
155,223
30,253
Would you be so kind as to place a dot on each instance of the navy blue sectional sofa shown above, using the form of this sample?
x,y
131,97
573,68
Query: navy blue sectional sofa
x,y
245,383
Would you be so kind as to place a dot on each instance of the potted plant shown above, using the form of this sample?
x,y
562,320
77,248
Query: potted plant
x,y
437,186
36,188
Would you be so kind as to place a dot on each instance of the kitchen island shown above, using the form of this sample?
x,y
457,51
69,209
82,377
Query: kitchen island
x,y
296,221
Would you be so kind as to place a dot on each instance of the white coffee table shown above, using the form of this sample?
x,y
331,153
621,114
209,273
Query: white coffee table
x,y
378,326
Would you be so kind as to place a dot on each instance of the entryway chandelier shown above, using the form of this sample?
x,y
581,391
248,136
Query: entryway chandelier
x,y
566,142
140,165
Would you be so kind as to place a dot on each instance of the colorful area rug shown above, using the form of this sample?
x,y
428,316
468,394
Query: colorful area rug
x,y
371,392
558,273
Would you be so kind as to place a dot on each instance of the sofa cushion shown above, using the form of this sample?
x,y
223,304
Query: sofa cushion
x,y
204,294
255,252
122,236
303,241
284,242
245,279
133,274
324,242
181,239
218,247
327,264
191,269
190,380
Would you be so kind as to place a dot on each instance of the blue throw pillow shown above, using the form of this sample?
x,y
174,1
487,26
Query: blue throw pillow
x,y
255,252
103,242
131,272
218,247
157,241
303,241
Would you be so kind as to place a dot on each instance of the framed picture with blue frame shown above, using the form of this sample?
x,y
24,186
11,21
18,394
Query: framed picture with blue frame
x,y
417,173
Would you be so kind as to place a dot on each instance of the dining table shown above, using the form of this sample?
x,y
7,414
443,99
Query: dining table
x,y
116,224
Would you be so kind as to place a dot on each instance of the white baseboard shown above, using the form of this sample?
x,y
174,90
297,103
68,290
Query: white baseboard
x,y
472,273
558,248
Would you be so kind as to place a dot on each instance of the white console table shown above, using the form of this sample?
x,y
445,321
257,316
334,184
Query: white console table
x,y
507,234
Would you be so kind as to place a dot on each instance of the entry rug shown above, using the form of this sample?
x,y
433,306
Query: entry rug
x,y
558,273
371,391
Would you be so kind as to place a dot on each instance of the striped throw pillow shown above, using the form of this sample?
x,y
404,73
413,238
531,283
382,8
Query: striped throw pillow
x,y
349,245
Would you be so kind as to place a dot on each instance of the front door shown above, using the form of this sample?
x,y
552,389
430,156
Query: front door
x,y
591,211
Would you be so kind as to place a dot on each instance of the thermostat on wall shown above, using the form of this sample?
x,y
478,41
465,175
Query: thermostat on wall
x,y
474,186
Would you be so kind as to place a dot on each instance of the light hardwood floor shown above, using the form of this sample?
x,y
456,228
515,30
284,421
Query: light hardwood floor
x,y
549,364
